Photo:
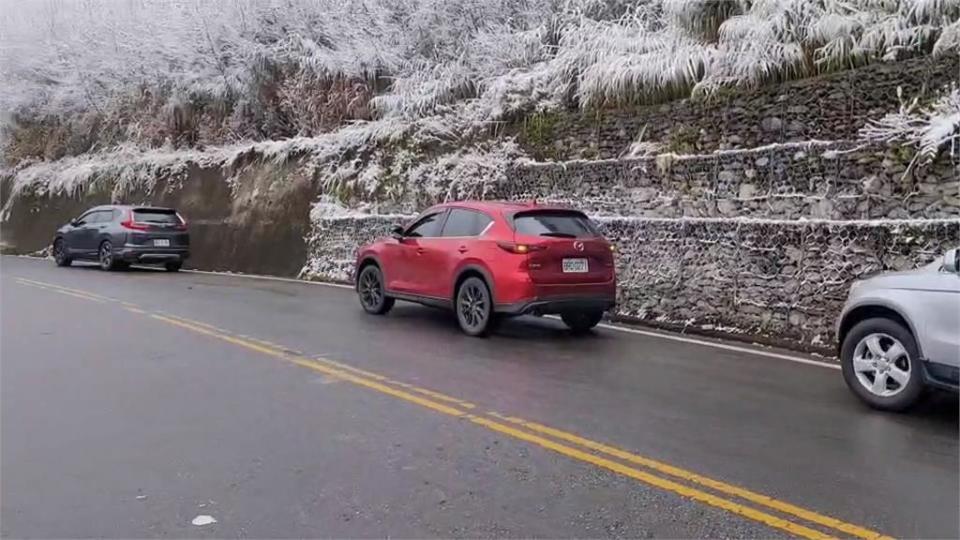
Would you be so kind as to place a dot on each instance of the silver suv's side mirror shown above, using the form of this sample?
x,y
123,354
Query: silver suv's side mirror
x,y
950,262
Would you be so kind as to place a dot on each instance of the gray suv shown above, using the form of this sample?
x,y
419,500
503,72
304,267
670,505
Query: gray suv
x,y
899,333
117,236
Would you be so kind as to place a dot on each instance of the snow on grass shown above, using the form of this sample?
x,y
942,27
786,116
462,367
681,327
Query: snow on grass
x,y
445,70
930,130
427,55
124,168
385,160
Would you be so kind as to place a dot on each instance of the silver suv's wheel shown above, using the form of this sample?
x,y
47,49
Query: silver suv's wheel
x,y
880,364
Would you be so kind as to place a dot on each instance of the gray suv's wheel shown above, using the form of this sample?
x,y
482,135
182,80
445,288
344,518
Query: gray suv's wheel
x,y
372,293
106,256
60,253
881,364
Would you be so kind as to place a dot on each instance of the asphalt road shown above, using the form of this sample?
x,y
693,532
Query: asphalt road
x,y
133,402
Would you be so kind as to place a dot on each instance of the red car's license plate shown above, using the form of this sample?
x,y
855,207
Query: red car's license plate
x,y
575,266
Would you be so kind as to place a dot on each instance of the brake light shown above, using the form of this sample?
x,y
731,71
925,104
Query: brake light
x,y
183,223
520,249
129,223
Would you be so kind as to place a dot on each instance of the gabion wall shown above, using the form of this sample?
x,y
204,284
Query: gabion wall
x,y
785,280
332,246
838,181
831,107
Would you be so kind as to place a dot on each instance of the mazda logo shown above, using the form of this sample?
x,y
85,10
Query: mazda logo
x,y
578,246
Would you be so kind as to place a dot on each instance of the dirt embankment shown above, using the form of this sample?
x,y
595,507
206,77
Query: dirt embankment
x,y
254,220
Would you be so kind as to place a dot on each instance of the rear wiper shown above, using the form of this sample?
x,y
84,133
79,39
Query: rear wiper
x,y
558,234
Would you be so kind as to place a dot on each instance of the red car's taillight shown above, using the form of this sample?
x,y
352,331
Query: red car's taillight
x,y
520,249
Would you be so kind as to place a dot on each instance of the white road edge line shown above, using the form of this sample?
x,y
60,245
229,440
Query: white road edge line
x,y
616,328
684,339
716,345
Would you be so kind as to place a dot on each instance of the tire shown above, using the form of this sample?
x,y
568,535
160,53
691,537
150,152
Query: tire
x,y
60,253
106,258
173,266
581,322
372,294
474,307
898,363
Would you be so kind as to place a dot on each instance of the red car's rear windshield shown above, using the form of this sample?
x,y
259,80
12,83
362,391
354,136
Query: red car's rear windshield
x,y
156,215
554,223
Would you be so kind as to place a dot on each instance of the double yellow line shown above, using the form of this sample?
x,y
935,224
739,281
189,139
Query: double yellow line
x,y
592,452
760,508
63,290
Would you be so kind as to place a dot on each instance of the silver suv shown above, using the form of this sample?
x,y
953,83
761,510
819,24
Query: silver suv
x,y
899,333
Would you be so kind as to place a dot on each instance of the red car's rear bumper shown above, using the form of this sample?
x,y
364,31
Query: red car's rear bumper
x,y
543,299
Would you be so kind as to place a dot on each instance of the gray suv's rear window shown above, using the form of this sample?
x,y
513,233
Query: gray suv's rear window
x,y
156,216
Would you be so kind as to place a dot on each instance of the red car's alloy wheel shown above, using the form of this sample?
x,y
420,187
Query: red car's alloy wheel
x,y
474,307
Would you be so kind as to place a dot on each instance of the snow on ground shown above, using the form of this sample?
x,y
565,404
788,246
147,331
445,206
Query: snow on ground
x,y
487,59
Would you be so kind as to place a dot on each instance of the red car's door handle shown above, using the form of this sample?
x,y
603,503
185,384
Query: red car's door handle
x,y
462,249
420,251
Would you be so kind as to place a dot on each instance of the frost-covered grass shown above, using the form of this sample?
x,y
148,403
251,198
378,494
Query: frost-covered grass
x,y
929,129
196,72
381,161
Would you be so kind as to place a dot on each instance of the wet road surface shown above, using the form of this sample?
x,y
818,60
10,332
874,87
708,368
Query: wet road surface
x,y
132,402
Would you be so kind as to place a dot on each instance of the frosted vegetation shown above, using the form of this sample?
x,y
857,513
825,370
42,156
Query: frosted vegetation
x,y
343,79
930,129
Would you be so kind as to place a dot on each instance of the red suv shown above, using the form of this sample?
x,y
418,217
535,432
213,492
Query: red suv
x,y
488,260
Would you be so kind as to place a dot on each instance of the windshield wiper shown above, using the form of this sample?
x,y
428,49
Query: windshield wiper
x,y
558,234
